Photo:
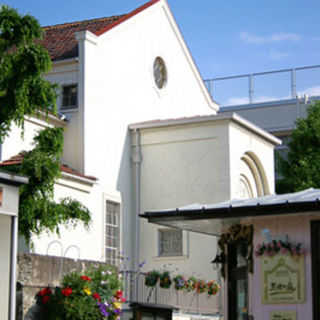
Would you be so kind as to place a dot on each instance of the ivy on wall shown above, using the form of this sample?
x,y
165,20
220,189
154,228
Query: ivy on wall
x,y
38,211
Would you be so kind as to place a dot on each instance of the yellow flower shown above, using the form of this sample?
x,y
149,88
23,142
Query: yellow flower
x,y
117,305
87,291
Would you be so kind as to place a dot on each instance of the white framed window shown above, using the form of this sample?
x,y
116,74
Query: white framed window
x,y
112,232
170,242
69,97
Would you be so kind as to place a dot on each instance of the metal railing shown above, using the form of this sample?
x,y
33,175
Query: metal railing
x,y
135,290
251,78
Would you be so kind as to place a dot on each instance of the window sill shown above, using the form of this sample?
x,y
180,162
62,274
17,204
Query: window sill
x,y
170,258
68,110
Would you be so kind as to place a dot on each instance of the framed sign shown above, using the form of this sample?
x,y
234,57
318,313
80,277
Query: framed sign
x,y
283,315
283,279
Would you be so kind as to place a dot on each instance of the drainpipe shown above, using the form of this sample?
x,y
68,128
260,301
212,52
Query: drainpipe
x,y
14,246
136,159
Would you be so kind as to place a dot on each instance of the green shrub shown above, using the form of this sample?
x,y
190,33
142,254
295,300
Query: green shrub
x,y
95,295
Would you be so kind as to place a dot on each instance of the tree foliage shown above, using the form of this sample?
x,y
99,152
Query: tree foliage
x,y
302,168
24,92
23,61
38,211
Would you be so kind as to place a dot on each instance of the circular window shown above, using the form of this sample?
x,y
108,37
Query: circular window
x,y
159,72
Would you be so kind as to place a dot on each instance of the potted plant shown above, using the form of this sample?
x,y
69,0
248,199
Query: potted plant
x,y
152,278
165,280
213,288
179,282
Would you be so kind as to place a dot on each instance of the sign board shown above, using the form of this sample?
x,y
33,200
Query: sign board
x,y
283,279
283,315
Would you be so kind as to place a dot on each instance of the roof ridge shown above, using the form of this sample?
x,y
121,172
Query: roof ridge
x,y
68,24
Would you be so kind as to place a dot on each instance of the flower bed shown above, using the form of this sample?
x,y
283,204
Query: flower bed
x,y
95,295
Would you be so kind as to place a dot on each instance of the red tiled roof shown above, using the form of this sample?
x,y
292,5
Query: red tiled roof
x,y
60,39
17,159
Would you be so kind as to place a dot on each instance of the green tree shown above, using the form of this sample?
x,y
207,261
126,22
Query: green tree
x,y
301,169
24,92
23,61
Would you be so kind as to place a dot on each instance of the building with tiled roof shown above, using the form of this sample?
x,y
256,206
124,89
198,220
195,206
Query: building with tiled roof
x,y
132,69
60,40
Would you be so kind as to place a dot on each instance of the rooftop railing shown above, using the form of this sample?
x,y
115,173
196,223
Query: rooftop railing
x,y
135,290
251,78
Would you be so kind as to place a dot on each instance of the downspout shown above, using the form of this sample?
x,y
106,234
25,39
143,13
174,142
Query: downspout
x,y
136,159
13,275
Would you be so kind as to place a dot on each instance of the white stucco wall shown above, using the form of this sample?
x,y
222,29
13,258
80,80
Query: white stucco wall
x,y
16,142
5,244
193,163
8,212
90,242
242,141
183,165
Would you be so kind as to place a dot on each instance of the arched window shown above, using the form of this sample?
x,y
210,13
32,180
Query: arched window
x,y
252,181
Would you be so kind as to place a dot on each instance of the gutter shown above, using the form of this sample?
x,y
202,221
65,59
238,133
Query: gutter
x,y
258,210
136,159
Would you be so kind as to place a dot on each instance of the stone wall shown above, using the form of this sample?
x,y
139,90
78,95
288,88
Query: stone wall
x,y
37,271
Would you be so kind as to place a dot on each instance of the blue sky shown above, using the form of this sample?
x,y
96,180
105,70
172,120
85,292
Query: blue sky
x,y
225,37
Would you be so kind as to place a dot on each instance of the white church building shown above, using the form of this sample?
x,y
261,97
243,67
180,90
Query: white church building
x,y
142,133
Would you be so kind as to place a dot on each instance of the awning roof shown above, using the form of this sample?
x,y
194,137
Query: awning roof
x,y
210,218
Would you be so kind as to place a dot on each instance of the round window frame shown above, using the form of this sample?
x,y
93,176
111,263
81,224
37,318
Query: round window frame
x,y
163,73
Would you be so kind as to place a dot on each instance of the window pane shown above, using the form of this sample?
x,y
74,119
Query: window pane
x,y
112,229
70,97
170,243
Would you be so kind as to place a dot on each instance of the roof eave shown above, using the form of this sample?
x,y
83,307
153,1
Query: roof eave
x,y
287,208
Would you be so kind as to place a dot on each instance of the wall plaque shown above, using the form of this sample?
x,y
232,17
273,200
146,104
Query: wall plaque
x,y
283,279
283,315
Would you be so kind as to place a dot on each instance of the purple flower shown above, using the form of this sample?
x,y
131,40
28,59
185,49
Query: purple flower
x,y
117,311
103,309
142,264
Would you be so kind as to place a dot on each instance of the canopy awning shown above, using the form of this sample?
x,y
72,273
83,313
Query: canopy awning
x,y
211,218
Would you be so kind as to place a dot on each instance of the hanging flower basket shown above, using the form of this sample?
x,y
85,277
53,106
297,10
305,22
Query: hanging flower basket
x,y
165,280
201,286
190,284
179,282
152,278
213,288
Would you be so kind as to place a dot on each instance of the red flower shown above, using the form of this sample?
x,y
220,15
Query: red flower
x,y
123,300
45,299
119,294
96,296
44,292
66,291
86,278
